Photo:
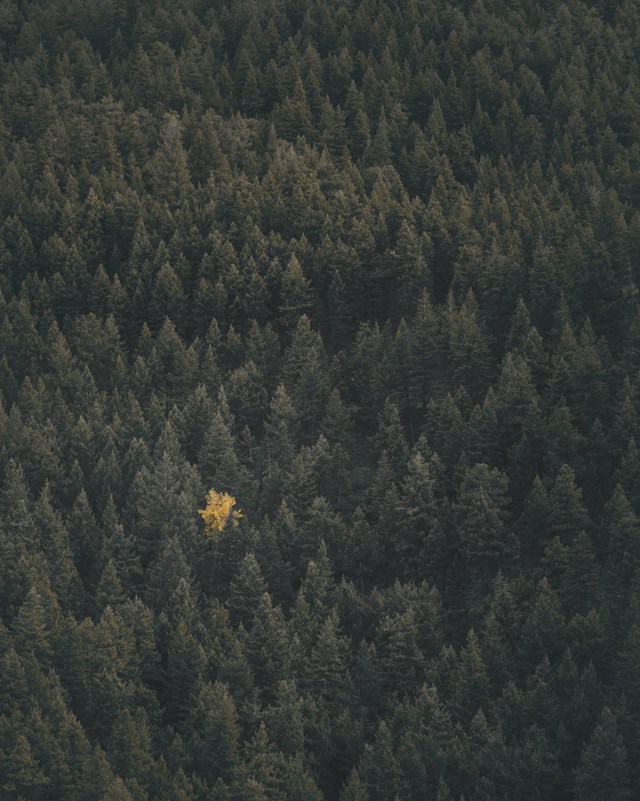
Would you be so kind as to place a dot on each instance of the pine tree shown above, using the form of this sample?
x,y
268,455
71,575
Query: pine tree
x,y
169,168
573,572
260,777
379,768
246,591
296,294
117,791
282,432
130,748
109,591
214,733
22,771
326,675
269,647
118,547
16,504
354,788
480,518
567,515
421,547
544,630
86,539
285,719
165,499
54,541
402,663
390,438
185,665
628,473
305,377
602,770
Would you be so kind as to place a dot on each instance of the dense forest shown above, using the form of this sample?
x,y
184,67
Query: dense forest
x,y
364,274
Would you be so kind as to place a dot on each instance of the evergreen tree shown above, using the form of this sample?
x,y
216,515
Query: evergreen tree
x,y
246,591
480,514
169,168
214,733
379,768
602,769
567,515
296,294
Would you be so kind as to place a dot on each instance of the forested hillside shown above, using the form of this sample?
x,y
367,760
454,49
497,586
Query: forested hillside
x,y
370,269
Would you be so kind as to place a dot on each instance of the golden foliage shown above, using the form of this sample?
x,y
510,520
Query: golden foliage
x,y
219,511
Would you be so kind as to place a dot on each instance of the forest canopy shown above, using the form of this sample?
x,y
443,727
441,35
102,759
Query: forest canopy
x,y
319,411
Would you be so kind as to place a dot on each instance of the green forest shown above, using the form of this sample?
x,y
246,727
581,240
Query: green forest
x,y
320,400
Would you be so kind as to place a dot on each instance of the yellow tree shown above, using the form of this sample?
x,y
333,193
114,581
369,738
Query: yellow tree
x,y
219,511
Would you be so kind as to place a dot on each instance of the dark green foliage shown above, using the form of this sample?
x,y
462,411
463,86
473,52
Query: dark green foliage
x,y
602,769
372,269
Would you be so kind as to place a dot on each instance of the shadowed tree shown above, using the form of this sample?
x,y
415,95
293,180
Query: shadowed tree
x,y
602,771
169,169
214,733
